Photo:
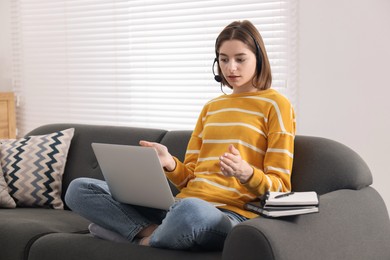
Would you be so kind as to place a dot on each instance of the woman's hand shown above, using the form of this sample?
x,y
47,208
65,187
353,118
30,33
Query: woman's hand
x,y
232,165
165,157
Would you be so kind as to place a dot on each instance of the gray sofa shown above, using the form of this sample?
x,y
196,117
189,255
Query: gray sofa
x,y
353,222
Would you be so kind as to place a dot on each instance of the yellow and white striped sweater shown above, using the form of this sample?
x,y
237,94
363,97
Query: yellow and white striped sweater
x,y
261,126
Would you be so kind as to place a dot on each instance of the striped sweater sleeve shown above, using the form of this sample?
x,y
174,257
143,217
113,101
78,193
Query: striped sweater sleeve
x,y
278,159
184,171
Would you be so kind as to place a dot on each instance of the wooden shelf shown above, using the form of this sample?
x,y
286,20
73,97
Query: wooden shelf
x,y
7,115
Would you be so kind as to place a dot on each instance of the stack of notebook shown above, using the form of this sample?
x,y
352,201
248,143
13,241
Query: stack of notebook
x,y
280,204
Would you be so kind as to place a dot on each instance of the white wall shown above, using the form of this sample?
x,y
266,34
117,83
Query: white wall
x,y
344,88
344,85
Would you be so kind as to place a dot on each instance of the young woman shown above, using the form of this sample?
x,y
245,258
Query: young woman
x,y
242,146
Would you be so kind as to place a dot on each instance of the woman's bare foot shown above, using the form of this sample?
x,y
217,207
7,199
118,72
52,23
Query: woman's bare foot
x,y
145,241
147,231
145,234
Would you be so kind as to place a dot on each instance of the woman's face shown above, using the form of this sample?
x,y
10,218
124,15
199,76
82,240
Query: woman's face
x,y
238,65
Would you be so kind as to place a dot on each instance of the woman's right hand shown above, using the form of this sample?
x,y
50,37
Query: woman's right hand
x,y
165,157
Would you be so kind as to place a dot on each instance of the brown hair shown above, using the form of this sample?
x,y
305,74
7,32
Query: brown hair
x,y
247,33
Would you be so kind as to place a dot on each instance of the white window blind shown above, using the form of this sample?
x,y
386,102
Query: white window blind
x,y
133,63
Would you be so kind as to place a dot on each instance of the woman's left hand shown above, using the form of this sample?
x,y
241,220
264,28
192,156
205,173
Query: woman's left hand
x,y
232,165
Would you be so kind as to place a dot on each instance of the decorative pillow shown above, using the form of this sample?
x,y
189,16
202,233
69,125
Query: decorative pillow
x,y
33,167
6,201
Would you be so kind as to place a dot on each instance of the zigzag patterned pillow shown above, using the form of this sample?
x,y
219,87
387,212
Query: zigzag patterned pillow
x,y
33,167
6,201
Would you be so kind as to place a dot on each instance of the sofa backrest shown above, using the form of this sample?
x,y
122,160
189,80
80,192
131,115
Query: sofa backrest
x,y
176,142
324,165
320,164
81,161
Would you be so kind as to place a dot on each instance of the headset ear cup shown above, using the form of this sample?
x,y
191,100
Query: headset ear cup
x,y
259,69
259,62
216,77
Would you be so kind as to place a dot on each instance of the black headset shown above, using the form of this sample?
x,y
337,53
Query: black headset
x,y
259,56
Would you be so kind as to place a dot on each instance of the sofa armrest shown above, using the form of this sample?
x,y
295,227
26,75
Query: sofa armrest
x,y
351,224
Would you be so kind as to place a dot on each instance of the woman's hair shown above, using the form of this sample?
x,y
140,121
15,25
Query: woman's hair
x,y
247,33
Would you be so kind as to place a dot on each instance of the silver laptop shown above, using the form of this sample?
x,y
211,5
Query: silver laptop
x,y
134,175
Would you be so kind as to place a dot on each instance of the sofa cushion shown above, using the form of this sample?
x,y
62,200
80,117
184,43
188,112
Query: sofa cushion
x,y
6,201
33,167
20,227
62,246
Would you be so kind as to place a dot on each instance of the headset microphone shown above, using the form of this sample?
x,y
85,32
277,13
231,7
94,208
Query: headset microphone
x,y
216,77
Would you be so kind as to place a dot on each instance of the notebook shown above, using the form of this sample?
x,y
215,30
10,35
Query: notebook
x,y
134,175
280,204
283,199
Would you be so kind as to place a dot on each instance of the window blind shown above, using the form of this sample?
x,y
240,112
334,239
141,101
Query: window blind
x,y
133,63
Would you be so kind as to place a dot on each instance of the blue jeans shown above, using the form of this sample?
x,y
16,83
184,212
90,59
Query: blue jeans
x,y
190,223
